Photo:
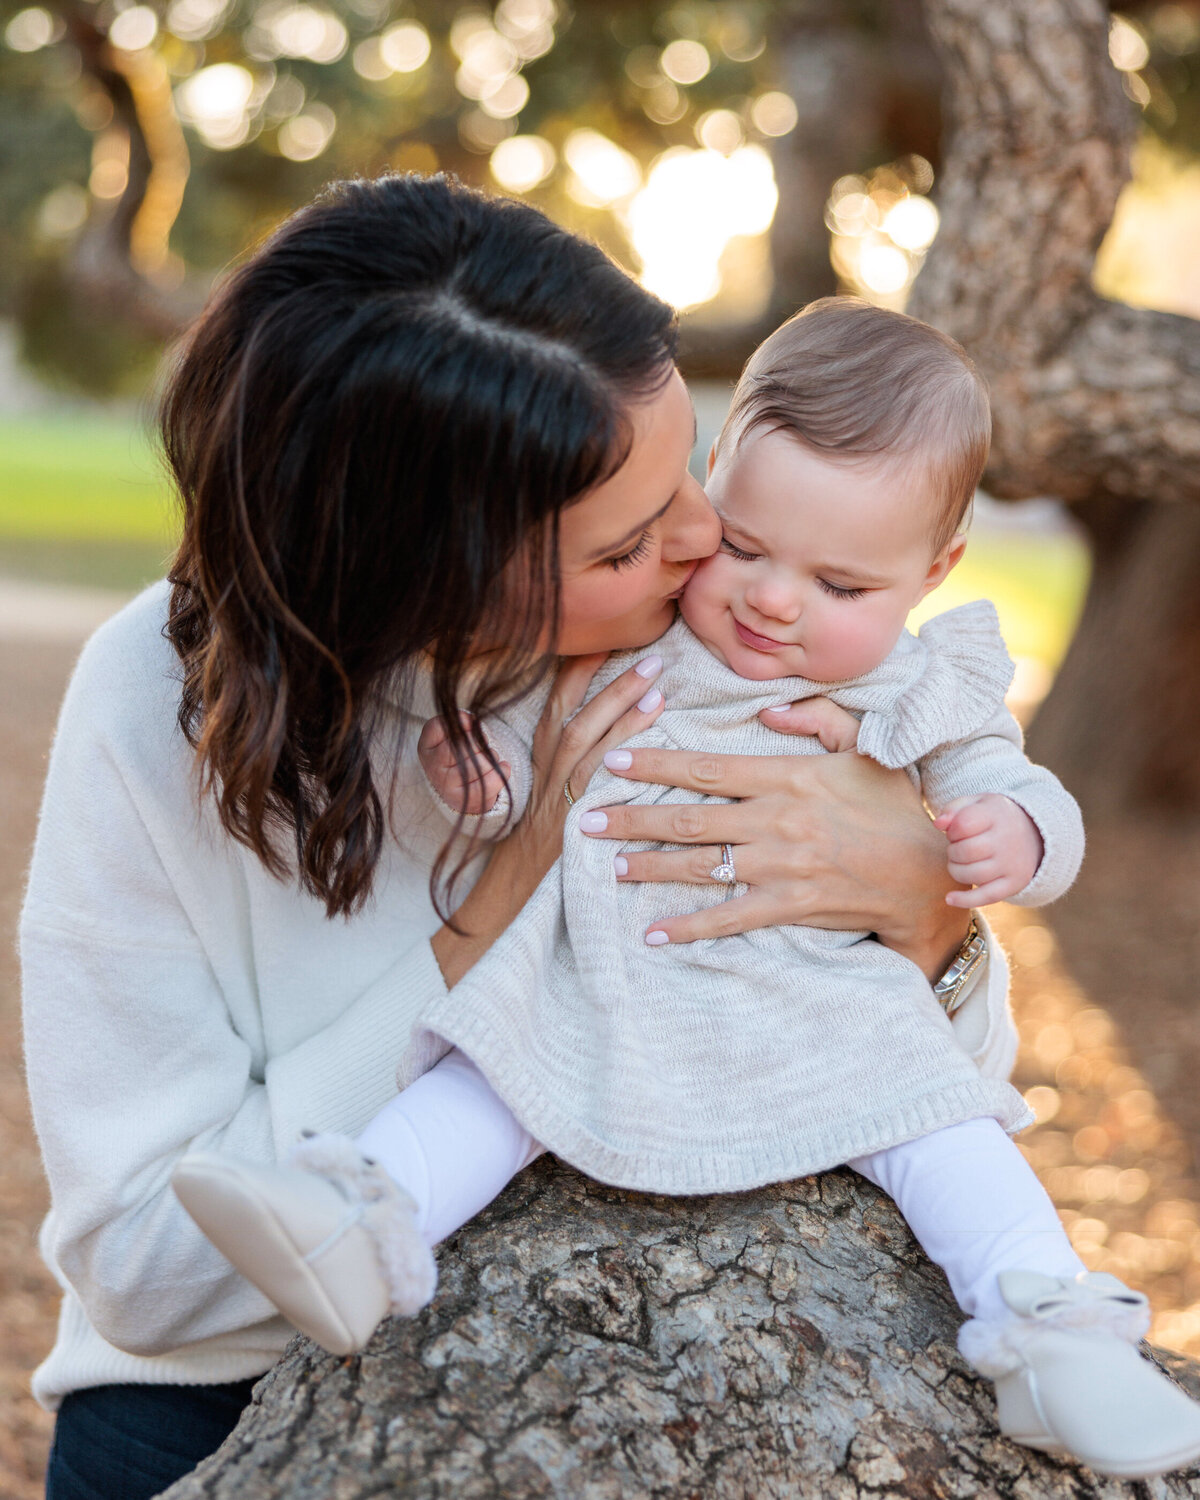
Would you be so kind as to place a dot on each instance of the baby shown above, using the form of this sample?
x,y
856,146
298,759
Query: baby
x,y
853,446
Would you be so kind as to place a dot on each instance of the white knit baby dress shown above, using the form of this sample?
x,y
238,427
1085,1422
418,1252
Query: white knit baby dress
x,y
725,1064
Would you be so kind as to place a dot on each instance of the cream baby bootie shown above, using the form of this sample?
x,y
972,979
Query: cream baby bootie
x,y
1070,1381
329,1238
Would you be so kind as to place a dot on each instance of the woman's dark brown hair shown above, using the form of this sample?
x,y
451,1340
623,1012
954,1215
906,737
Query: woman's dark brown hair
x,y
373,427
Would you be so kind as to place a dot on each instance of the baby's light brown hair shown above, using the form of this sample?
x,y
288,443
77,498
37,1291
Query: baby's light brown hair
x,y
857,381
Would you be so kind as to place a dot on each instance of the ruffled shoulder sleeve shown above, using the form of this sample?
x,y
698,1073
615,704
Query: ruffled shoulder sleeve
x,y
959,670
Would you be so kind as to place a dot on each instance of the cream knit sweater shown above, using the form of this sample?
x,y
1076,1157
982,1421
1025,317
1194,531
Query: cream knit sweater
x,y
175,995
725,1064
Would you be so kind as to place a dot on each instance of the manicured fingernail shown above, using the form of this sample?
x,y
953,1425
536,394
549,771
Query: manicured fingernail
x,y
656,939
620,864
651,701
618,760
593,822
777,708
651,667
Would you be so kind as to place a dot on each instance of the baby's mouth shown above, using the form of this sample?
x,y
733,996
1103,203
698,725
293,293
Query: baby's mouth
x,y
756,641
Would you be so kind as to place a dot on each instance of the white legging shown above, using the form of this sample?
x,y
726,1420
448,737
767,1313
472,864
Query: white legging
x,y
967,1193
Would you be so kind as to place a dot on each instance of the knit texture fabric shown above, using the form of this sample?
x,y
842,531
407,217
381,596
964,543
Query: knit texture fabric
x,y
725,1064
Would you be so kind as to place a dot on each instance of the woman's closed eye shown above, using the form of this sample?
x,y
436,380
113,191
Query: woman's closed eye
x,y
838,592
635,555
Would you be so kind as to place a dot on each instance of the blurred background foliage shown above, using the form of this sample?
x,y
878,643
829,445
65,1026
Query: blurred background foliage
x,y
705,143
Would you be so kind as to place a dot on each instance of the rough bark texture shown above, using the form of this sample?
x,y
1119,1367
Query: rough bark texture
x,y
1093,401
1090,397
595,1344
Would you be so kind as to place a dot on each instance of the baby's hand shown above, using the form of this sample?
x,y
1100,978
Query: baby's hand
x,y
466,790
994,846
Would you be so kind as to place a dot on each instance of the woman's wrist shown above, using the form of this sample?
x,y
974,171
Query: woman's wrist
x,y
930,939
503,888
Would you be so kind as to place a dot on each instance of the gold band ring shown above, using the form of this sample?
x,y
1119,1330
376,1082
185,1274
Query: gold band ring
x,y
567,792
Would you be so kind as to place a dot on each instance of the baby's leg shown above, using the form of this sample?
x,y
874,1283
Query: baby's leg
x,y
977,1208
450,1142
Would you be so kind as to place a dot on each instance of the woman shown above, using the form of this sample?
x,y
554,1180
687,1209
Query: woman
x,y
427,443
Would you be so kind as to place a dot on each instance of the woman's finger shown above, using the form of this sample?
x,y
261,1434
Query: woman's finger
x,y
668,823
719,775
629,703
742,914
692,866
834,726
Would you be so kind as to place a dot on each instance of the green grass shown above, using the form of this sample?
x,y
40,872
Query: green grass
x,y
1037,583
76,479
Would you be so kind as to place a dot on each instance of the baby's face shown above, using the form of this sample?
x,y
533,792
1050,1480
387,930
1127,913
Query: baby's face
x,y
819,563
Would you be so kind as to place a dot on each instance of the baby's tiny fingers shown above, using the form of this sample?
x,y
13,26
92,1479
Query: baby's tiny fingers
x,y
968,823
966,851
978,873
984,895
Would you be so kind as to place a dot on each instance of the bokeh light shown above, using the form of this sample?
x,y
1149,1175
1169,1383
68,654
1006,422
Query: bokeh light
x,y
30,29
133,29
685,61
522,162
692,205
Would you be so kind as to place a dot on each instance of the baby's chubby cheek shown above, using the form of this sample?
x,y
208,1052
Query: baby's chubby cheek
x,y
705,605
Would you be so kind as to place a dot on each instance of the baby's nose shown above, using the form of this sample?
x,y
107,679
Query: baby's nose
x,y
774,598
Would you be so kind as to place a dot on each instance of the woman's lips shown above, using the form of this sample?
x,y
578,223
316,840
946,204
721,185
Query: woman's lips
x,y
687,579
758,642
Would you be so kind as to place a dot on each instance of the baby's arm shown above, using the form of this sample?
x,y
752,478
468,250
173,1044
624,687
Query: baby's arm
x,y
491,800
1014,831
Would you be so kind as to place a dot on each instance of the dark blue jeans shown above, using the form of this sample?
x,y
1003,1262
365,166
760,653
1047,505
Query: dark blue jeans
x,y
128,1442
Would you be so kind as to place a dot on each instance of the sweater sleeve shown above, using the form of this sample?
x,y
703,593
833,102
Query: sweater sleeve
x,y
994,761
133,1057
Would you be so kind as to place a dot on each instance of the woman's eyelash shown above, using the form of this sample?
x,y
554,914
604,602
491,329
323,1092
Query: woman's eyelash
x,y
832,588
634,556
737,551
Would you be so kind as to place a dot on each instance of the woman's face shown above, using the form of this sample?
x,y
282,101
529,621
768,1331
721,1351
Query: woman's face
x,y
627,549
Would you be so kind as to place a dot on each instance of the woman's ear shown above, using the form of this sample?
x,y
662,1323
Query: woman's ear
x,y
712,458
947,559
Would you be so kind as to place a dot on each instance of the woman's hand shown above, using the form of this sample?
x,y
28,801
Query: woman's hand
x,y
830,841
568,745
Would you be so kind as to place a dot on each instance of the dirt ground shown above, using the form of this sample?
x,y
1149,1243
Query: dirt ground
x,y
1104,998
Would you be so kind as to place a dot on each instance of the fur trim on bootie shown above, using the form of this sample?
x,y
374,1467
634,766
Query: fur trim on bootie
x,y
388,1215
1091,1303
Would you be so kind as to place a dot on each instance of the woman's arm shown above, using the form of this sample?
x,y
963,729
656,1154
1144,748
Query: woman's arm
x,y
568,744
827,840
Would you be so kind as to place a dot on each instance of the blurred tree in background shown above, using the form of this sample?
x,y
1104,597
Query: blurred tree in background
x,y
146,145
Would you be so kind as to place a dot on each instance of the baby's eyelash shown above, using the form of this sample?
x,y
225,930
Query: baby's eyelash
x,y
737,551
634,556
832,588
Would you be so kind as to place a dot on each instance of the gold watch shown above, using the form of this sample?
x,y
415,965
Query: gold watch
x,y
950,988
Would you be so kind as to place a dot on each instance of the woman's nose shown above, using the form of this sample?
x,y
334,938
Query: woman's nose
x,y
691,527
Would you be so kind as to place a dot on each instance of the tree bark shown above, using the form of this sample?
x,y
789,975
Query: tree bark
x,y
1093,402
595,1344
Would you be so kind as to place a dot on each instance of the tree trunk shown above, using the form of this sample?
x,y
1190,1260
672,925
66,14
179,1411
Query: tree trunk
x,y
1122,724
595,1344
1094,402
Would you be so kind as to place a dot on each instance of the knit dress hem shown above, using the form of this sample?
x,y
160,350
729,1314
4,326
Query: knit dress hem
x,y
682,1175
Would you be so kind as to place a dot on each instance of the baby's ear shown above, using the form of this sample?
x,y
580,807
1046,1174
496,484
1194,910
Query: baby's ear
x,y
947,559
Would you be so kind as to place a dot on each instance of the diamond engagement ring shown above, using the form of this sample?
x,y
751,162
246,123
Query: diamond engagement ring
x,y
724,873
567,792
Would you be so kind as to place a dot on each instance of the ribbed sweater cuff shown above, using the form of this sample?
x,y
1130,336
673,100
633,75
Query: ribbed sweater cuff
x,y
340,1077
1061,827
